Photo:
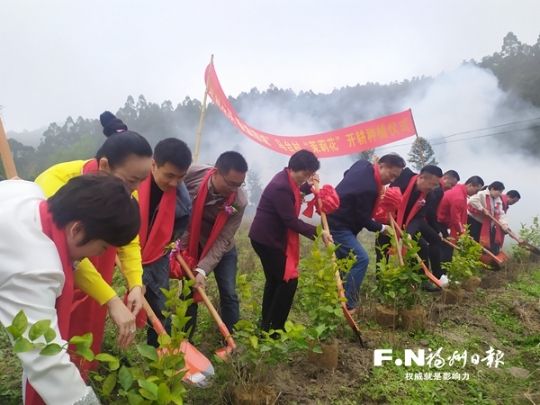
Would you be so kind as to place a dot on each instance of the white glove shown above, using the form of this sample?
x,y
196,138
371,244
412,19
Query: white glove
x,y
444,281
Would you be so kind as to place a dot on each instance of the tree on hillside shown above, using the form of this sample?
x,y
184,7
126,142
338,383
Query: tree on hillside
x,y
421,154
365,155
254,189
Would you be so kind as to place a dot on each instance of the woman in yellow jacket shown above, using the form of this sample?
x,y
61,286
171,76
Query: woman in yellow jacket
x,y
127,155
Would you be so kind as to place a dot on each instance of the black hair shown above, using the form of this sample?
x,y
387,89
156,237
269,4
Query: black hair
x,y
173,151
102,204
513,194
453,174
497,186
304,160
231,160
475,181
392,160
120,143
432,169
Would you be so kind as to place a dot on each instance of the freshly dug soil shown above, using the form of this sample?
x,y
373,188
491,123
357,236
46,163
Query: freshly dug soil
x,y
472,284
328,359
386,316
451,296
413,318
252,395
492,279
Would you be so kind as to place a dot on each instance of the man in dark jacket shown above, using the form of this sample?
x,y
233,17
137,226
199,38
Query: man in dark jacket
x,y
412,213
165,208
359,192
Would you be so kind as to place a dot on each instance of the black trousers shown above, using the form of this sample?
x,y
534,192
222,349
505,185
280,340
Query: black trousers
x,y
430,244
428,240
475,228
447,251
156,277
278,294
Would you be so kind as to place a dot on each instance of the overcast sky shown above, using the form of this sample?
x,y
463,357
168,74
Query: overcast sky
x,y
69,57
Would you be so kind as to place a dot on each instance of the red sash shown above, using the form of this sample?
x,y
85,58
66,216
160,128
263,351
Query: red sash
x,y
419,203
86,314
504,199
153,243
293,238
380,190
192,253
63,302
485,237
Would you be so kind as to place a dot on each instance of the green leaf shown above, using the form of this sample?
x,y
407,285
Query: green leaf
x,y
112,361
51,349
125,378
85,352
19,324
169,372
23,345
134,398
148,351
109,384
164,394
254,341
289,326
164,340
149,390
84,340
39,328
13,331
177,393
317,349
320,329
49,335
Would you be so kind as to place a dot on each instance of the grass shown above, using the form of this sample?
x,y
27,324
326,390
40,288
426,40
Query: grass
x,y
487,318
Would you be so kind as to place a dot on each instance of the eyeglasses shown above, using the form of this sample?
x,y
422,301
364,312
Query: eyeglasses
x,y
232,184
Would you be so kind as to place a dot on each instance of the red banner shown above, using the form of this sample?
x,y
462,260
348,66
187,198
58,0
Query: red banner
x,y
344,141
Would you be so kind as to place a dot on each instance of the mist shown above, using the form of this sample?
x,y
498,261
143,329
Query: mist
x,y
465,99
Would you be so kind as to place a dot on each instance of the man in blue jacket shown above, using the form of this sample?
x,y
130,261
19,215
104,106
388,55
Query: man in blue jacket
x,y
359,191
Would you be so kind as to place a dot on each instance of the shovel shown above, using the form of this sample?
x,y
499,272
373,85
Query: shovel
x,y
341,291
531,248
197,367
224,352
5,154
495,259
426,270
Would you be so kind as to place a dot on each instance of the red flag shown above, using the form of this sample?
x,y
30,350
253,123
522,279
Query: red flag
x,y
344,141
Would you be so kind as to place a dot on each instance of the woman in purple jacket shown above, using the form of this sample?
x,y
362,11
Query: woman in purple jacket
x,y
275,234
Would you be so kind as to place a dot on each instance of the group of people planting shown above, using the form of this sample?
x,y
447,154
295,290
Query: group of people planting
x,y
63,235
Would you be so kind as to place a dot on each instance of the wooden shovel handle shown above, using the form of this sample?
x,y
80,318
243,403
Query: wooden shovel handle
x,y
222,327
486,251
498,223
5,154
427,272
156,323
398,245
339,283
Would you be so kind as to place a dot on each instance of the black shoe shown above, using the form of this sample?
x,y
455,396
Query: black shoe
x,y
430,287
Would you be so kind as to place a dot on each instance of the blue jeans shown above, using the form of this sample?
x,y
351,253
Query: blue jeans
x,y
347,242
155,277
225,274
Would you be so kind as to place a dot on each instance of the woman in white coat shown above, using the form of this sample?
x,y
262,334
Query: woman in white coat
x,y
39,242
